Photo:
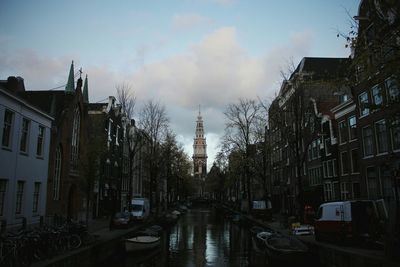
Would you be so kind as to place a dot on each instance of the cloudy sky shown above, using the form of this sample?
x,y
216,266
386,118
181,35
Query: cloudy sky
x,y
181,53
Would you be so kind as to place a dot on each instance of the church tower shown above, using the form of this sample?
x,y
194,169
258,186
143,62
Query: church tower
x,y
199,150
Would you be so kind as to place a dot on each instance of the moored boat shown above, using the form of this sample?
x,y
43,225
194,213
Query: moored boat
x,y
281,248
139,243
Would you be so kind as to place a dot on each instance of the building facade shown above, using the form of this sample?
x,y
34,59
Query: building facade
x,y
67,185
24,156
296,134
108,135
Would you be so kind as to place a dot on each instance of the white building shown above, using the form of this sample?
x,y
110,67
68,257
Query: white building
x,y
24,156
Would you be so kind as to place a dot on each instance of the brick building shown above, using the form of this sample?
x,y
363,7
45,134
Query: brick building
x,y
65,195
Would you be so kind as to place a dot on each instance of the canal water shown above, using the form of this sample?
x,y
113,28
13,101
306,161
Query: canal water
x,y
201,237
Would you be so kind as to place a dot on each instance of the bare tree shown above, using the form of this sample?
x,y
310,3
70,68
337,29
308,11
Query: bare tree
x,y
126,98
243,129
288,69
154,122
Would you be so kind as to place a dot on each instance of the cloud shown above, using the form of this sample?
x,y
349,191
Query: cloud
x,y
213,72
189,21
38,72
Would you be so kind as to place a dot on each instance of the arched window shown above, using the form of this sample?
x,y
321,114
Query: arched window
x,y
57,174
75,139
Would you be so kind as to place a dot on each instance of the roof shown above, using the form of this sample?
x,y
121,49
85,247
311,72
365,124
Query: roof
x,y
322,67
52,102
24,102
97,106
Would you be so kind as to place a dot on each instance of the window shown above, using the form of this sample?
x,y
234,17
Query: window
x,y
356,190
314,152
328,191
327,146
334,163
36,194
75,139
393,90
363,103
40,141
377,96
109,133
330,168
343,98
3,187
387,188
336,190
395,134
354,161
344,193
367,141
344,162
381,136
372,181
23,146
353,127
20,194
57,174
117,136
7,128
343,132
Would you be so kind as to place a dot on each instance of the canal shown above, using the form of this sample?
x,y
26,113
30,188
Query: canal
x,y
201,237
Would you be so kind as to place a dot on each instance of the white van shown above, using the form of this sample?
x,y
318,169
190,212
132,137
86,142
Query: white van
x,y
345,220
140,208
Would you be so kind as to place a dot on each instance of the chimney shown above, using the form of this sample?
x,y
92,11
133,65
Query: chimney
x,y
15,84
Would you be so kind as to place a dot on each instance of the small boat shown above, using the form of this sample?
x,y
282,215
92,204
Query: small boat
x,y
258,229
281,248
139,243
260,239
176,212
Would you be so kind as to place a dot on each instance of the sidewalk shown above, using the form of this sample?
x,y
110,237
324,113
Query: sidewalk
x,y
105,243
98,224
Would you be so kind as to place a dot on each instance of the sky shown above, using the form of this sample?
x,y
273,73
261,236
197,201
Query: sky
x,y
180,53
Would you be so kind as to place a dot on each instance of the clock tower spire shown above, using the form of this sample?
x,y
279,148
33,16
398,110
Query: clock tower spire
x,y
199,149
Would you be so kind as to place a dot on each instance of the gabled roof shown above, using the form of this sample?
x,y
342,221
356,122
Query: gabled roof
x,y
322,67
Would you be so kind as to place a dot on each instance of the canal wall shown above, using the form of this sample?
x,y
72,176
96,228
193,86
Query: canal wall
x,y
327,254
92,255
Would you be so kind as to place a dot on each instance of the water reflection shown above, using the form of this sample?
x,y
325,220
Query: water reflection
x,y
202,237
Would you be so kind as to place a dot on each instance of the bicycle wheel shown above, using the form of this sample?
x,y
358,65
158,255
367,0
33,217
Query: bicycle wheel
x,y
75,241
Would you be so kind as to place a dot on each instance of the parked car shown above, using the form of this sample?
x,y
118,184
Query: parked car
x,y
262,209
350,220
121,220
140,208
